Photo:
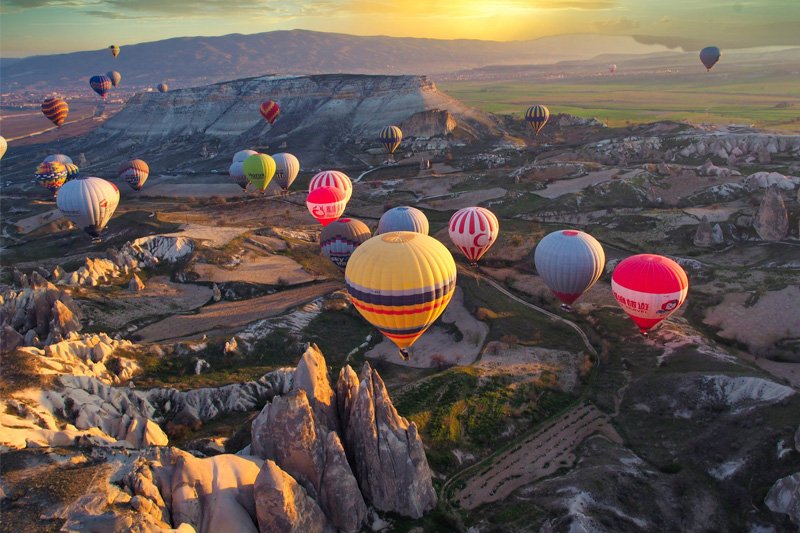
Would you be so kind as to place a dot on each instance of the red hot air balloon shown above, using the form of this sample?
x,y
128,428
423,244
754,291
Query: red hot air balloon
x,y
649,288
270,111
473,230
332,178
326,204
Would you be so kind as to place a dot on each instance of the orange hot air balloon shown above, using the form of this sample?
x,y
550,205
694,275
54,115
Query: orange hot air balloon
x,y
270,111
326,204
649,288
55,109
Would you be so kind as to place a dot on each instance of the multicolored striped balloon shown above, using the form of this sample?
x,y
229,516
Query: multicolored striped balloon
x,y
649,288
332,178
326,204
3,146
72,171
51,176
135,173
55,109
569,262
339,239
287,167
390,137
473,230
403,218
401,282
270,111
100,84
537,116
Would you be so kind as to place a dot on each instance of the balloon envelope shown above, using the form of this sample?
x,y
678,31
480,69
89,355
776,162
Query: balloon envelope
x,y
401,282
89,203
403,218
287,167
569,262
236,172
649,288
115,77
332,178
135,173
114,50
709,56
3,146
259,169
339,239
537,116
100,84
162,87
60,158
51,175
390,137
473,230
270,111
242,155
72,171
326,204
55,109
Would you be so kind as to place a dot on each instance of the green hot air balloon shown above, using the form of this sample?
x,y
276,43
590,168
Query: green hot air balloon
x,y
259,169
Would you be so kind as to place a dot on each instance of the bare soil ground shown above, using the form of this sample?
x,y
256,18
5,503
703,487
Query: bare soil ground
x,y
562,187
225,316
270,270
529,364
538,456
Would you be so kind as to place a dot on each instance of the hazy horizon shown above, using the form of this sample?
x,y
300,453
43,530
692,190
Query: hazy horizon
x,y
37,27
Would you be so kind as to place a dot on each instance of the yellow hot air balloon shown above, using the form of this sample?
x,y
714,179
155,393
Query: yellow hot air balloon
x,y
401,282
259,169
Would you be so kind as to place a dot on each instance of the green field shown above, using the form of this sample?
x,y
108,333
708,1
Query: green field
x,y
770,103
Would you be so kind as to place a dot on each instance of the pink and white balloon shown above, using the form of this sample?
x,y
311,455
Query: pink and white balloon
x,y
474,230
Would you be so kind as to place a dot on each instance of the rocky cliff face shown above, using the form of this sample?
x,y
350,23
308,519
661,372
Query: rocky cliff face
x,y
772,221
317,114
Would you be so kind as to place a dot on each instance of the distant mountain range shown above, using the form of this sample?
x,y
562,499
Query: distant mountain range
x,y
193,61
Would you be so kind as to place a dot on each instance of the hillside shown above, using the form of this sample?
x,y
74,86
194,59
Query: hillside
x,y
191,61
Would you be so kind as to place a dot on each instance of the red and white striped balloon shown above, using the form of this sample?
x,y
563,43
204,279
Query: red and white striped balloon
x,y
473,230
332,178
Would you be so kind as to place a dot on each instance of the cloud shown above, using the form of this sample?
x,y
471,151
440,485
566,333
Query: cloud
x,y
620,25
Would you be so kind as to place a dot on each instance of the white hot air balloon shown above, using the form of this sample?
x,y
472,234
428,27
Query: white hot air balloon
x,y
236,173
241,155
88,202
287,167
61,158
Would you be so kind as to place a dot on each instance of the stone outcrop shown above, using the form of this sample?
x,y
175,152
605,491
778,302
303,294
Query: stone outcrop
x,y
426,124
772,221
708,235
765,180
311,376
135,284
283,505
784,497
389,458
40,310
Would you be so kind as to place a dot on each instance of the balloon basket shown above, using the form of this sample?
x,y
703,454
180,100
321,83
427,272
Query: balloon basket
x,y
567,309
405,355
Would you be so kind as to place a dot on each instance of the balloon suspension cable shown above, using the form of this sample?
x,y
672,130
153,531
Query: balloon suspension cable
x,y
404,355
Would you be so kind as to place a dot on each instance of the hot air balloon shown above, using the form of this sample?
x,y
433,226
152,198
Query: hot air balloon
x,y
569,262
390,137
135,173
537,117
162,87
473,230
287,167
649,288
612,68
88,202
51,176
332,178
709,56
236,173
401,282
259,169
3,146
100,84
60,158
55,109
114,50
114,76
72,171
241,155
326,204
340,238
403,218
270,111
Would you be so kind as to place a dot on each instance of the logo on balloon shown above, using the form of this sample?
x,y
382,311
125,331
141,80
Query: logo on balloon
x,y
318,211
668,307
481,240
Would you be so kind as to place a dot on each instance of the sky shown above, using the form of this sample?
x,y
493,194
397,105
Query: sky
x,y
30,27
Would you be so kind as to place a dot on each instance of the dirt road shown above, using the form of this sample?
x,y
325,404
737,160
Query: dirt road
x,y
227,315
